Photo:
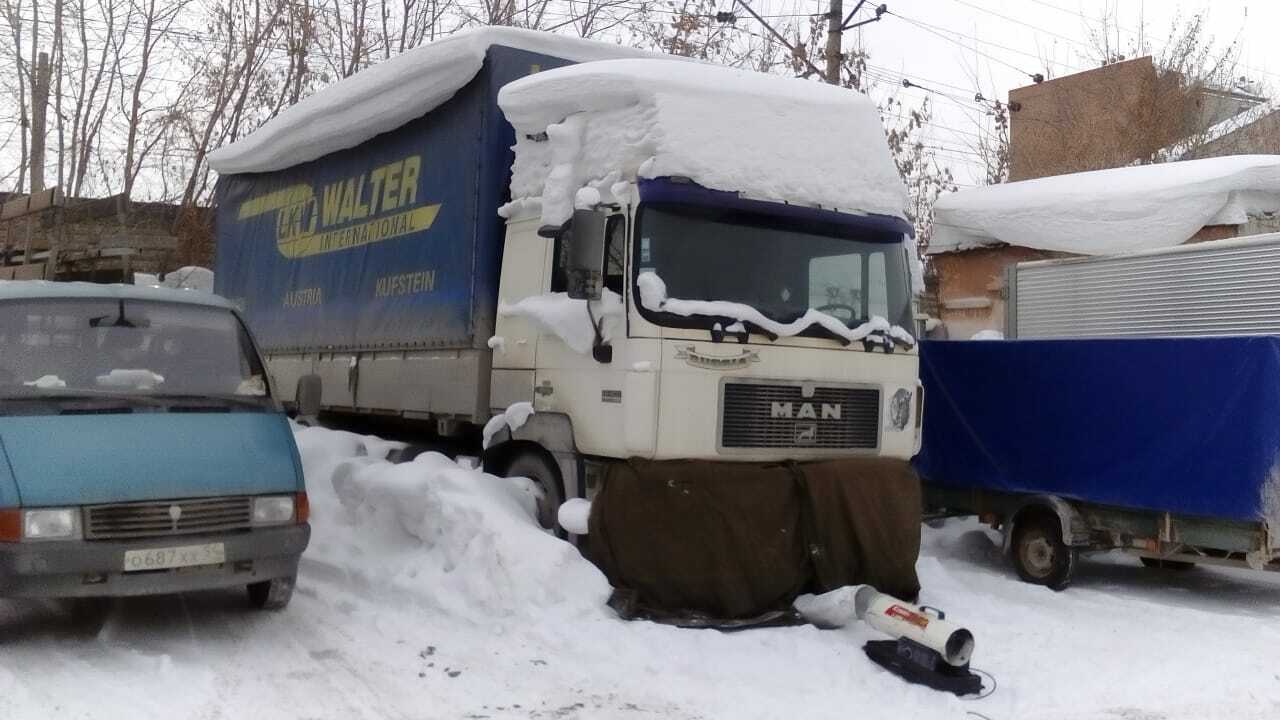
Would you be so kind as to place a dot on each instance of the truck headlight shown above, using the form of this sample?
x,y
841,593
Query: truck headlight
x,y
273,510
51,524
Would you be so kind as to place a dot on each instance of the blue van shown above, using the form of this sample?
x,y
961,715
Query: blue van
x,y
142,449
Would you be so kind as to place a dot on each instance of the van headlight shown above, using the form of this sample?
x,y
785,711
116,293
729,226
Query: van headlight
x,y
273,510
51,524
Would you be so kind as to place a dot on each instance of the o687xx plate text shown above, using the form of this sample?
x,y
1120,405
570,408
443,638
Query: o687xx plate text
x,y
174,557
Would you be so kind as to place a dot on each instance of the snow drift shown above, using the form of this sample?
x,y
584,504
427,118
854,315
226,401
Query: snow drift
x,y
766,137
438,532
388,95
1110,211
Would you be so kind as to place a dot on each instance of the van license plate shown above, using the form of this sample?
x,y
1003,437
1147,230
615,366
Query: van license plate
x,y
174,557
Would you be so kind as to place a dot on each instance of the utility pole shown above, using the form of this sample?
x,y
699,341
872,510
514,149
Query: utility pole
x,y
835,27
39,104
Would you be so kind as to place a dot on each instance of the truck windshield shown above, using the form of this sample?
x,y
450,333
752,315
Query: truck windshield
x,y
781,267
124,347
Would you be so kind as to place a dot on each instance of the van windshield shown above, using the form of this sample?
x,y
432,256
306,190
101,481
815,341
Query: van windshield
x,y
125,347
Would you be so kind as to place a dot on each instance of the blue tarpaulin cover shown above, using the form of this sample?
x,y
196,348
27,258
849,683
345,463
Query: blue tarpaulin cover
x,y
395,243
1186,425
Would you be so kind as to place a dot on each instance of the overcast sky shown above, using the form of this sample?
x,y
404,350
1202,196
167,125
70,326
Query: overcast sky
x,y
993,45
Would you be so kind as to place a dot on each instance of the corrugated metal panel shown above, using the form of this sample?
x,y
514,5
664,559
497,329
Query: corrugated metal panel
x,y
1215,288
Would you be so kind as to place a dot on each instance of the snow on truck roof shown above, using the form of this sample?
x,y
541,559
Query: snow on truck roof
x,y
1110,211
389,94
45,290
763,136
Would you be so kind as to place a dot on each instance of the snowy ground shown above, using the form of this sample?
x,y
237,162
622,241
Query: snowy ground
x,y
428,593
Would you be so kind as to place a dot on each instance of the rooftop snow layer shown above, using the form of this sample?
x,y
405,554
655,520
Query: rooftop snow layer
x,y
764,136
1110,211
387,95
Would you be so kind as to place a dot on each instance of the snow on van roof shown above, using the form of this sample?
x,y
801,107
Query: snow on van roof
x,y
1110,211
763,136
387,95
45,289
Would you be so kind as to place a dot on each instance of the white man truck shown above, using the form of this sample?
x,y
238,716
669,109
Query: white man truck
x,y
674,261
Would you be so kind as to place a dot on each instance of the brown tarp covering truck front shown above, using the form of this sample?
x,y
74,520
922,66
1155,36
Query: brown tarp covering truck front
x,y
737,540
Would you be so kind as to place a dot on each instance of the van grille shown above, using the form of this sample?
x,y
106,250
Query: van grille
x,y
153,519
757,415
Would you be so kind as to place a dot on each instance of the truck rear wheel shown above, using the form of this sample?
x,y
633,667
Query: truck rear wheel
x,y
272,594
1039,554
546,477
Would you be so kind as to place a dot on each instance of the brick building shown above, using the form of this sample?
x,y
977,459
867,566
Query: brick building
x,y
1115,116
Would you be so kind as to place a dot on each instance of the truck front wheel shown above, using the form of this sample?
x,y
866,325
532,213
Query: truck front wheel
x,y
1039,554
546,477
272,594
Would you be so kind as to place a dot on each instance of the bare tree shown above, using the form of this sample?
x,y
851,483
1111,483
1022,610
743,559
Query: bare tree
x,y
13,18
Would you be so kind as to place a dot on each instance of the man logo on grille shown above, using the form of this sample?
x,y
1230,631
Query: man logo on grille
x,y
175,514
805,411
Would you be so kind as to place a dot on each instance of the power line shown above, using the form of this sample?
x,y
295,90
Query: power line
x,y
1036,77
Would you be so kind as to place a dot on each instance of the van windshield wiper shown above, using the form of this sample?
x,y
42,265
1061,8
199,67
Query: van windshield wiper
x,y
194,402
169,401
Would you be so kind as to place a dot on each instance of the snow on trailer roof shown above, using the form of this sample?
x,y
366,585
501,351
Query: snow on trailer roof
x,y
46,289
763,136
385,96
1110,211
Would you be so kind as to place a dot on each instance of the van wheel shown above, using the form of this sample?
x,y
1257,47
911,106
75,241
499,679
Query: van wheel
x,y
1039,554
272,594
1166,564
546,477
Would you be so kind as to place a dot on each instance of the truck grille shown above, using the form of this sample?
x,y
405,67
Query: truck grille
x,y
152,519
757,415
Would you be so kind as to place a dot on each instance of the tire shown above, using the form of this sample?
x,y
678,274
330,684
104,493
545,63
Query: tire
x,y
546,476
1166,564
1039,554
272,594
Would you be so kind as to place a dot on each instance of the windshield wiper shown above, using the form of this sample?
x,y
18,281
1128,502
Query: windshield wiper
x,y
82,395
718,330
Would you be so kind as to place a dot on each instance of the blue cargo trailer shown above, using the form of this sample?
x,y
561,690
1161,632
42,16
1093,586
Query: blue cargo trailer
x,y
1165,448
379,263
279,233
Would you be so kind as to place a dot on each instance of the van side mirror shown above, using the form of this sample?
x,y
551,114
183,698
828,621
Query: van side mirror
x,y
584,236
308,397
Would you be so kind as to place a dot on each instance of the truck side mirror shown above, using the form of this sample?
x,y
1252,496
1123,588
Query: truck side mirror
x,y
585,237
308,397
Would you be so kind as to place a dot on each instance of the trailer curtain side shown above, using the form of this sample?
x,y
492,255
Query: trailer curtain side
x,y
1181,425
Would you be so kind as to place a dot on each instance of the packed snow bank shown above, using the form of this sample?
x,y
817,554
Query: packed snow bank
x,y
512,419
393,92
1110,211
435,532
653,296
782,139
568,319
